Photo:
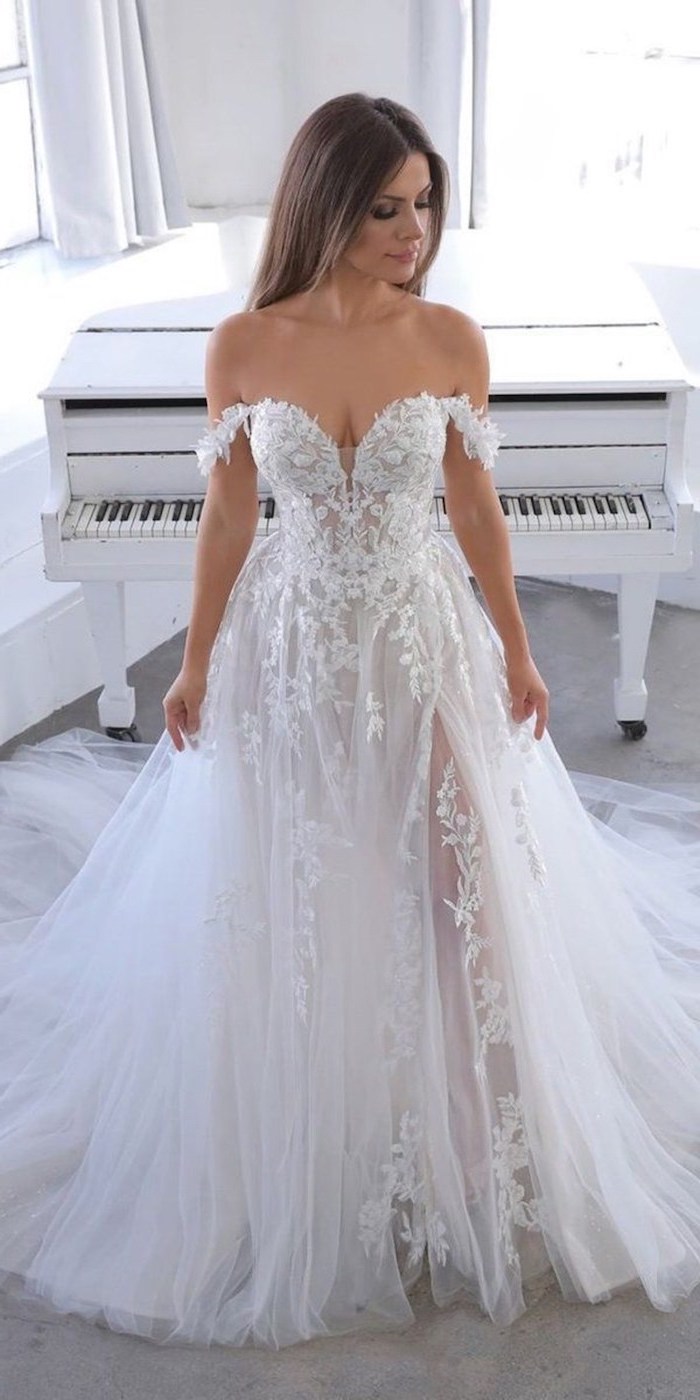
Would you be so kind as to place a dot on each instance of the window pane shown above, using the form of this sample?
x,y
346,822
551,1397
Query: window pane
x,y
18,216
9,46
592,115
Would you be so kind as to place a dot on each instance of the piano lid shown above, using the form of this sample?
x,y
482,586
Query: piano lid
x,y
554,323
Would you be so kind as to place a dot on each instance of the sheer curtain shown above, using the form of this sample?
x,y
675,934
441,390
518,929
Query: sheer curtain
x,y
451,58
109,167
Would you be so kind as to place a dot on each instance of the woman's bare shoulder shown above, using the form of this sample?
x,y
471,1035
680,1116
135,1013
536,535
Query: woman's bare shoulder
x,y
448,321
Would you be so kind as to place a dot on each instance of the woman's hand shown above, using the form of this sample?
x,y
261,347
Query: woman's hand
x,y
182,703
528,692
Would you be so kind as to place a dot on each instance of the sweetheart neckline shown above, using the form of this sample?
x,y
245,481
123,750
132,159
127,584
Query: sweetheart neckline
x,y
379,415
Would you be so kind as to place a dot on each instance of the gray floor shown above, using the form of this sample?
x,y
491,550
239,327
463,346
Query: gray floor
x,y
622,1350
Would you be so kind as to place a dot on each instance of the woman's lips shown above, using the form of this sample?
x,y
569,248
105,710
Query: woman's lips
x,y
404,257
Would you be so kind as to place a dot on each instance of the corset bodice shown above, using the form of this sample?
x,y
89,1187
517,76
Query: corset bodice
x,y
353,512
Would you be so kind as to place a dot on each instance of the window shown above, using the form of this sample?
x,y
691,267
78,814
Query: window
x,y
19,207
593,112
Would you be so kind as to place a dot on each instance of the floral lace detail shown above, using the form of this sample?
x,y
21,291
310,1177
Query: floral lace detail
x,y
375,723
512,1155
480,435
310,839
227,909
215,441
231,928
251,742
525,833
495,1028
462,831
402,1183
348,544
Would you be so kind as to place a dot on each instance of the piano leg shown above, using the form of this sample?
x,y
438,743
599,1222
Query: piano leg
x,y
116,702
636,600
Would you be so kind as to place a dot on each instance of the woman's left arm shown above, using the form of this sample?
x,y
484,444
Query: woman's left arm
x,y
480,528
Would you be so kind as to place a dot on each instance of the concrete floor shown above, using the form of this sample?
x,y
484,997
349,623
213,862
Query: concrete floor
x,y
622,1350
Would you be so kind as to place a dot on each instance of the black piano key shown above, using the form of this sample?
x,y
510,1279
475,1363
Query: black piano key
x,y
568,506
505,504
178,509
158,511
189,509
269,507
127,507
598,503
522,501
198,512
614,508
580,505
113,511
556,505
536,505
145,510
631,503
102,510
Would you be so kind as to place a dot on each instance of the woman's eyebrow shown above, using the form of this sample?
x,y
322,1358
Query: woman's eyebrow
x,y
401,198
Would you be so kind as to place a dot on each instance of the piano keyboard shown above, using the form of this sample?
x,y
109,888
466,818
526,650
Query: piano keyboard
x,y
525,512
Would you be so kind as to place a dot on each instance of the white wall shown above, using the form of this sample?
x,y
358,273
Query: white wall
x,y
239,79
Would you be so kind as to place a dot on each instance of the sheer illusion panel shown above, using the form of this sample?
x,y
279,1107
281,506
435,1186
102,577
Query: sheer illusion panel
x,y
485,1110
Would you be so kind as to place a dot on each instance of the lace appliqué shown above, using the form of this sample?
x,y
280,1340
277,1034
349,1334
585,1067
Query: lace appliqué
x,y
512,1155
251,742
310,839
402,1184
480,435
230,928
215,441
375,723
525,833
495,1028
462,831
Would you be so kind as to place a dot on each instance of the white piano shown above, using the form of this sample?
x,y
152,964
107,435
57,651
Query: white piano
x,y
590,474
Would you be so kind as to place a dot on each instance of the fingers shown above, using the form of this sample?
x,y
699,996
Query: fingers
x,y
175,720
541,721
524,706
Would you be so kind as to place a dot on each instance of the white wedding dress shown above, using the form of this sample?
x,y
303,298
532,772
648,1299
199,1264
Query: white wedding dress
x,y
360,982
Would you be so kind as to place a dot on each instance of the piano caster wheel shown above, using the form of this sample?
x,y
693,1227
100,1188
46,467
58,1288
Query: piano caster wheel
x,y
633,728
127,732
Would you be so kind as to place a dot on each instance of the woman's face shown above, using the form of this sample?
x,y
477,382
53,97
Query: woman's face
x,y
396,225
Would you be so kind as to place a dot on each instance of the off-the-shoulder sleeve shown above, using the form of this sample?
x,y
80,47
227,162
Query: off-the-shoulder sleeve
x,y
480,434
215,441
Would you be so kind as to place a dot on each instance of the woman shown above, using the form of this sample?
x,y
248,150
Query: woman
x,y
350,981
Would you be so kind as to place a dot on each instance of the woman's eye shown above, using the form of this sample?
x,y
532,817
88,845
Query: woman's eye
x,y
389,213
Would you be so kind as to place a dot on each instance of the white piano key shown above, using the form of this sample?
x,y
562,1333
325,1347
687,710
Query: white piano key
x,y
163,527
552,521
126,526
85,515
539,520
587,519
180,529
632,517
567,521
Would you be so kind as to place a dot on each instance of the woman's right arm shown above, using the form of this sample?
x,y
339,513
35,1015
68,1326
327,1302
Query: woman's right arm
x,y
226,531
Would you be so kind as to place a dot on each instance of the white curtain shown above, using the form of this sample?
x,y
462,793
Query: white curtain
x,y
450,70
108,164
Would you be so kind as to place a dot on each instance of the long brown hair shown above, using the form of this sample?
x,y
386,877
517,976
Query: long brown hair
x,y
339,161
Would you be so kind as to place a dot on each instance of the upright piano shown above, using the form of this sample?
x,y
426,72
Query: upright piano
x,y
590,474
